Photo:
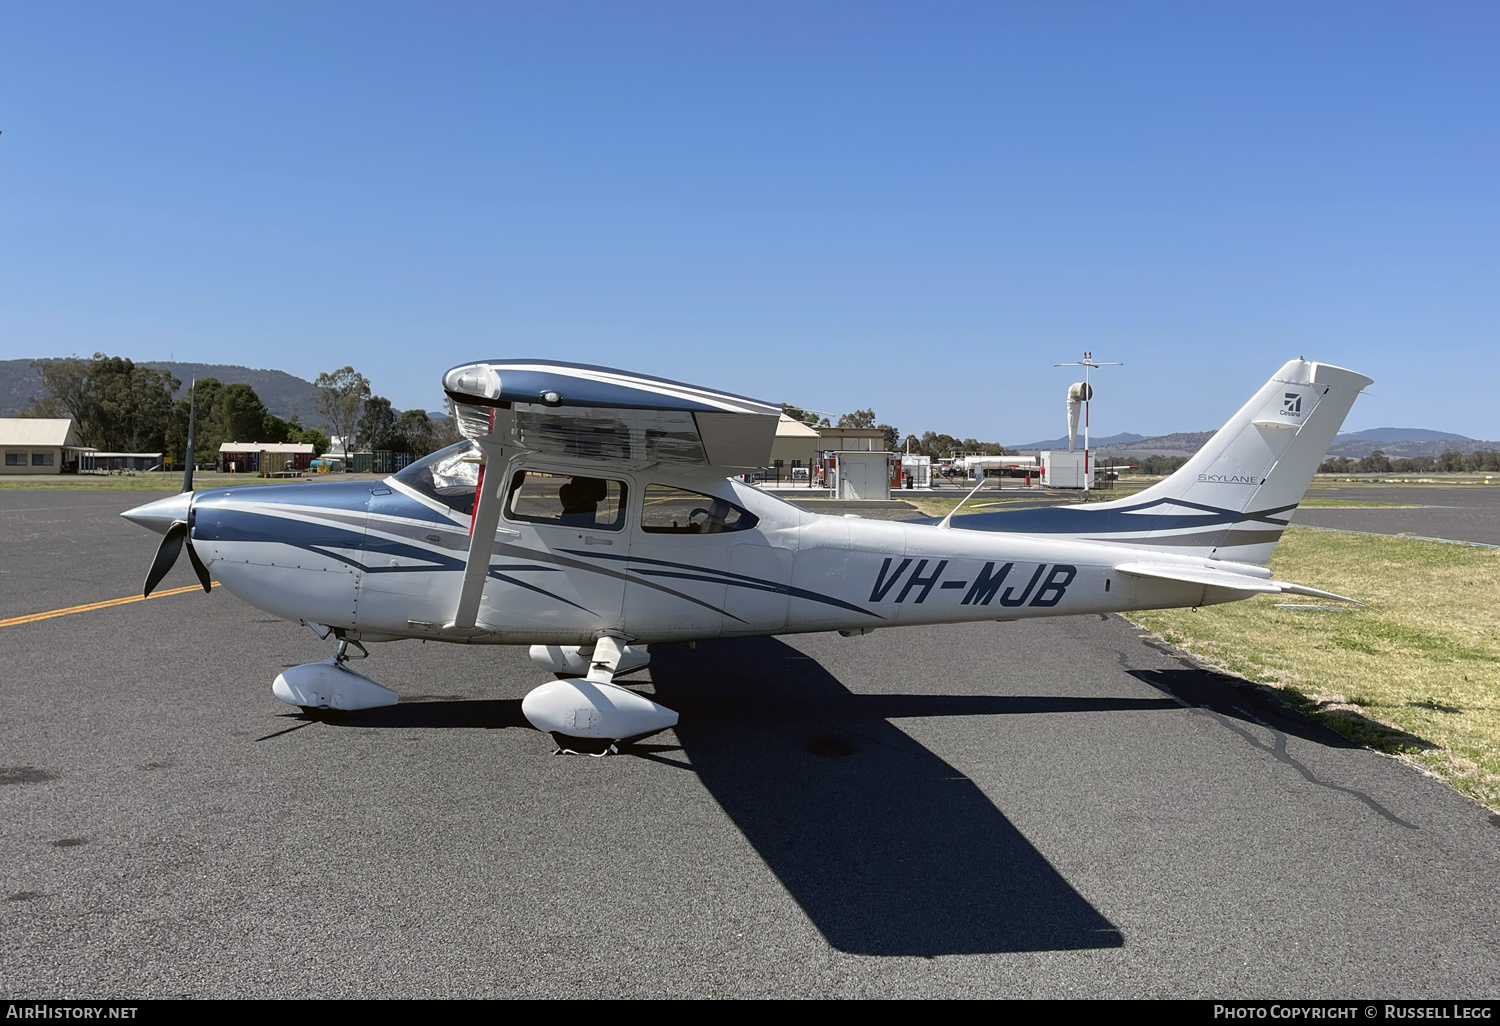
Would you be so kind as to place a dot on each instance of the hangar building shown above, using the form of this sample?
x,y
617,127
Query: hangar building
x,y
268,459
40,445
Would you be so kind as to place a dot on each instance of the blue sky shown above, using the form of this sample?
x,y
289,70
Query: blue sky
x,y
919,207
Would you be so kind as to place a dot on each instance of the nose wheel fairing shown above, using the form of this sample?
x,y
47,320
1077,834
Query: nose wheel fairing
x,y
330,685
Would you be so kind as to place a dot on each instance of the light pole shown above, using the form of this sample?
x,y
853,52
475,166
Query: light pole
x,y
1087,363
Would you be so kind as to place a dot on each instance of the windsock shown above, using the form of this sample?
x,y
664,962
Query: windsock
x,y
1078,393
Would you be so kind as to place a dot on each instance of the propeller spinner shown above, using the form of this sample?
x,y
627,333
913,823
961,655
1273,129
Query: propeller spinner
x,y
169,517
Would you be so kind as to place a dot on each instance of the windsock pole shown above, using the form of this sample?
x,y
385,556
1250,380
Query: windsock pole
x,y
1087,363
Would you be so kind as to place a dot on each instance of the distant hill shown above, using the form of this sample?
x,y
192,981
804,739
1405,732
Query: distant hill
x,y
1180,443
282,393
1397,443
1183,443
1352,445
1062,443
18,383
1357,448
1388,434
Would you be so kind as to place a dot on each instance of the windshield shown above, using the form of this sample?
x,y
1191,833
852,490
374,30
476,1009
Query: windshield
x,y
446,476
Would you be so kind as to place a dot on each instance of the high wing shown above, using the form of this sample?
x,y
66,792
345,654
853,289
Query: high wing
x,y
595,414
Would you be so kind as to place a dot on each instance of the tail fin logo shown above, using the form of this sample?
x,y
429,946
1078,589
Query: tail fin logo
x,y
1291,404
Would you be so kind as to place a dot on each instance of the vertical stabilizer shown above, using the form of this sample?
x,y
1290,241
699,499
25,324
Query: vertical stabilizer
x,y
1236,495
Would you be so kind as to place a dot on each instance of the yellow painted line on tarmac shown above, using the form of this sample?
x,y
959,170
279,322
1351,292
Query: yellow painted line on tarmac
x,y
30,617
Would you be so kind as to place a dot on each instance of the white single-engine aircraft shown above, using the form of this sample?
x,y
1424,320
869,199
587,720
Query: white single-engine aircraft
x,y
590,514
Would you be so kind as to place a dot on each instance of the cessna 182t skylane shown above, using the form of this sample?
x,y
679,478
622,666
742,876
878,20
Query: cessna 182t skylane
x,y
589,513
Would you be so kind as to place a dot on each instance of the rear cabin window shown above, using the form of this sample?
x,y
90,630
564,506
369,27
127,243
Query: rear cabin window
x,y
566,500
669,510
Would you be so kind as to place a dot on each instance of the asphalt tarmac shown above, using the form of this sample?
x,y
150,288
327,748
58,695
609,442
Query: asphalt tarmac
x,y
1468,513
1033,809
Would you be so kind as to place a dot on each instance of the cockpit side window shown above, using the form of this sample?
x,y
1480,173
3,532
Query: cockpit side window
x,y
667,509
566,500
446,476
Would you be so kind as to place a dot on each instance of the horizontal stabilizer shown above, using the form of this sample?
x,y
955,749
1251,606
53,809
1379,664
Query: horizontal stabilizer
x,y
1302,589
1216,578
1198,575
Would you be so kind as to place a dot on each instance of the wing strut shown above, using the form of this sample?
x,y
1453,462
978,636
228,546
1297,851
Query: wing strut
x,y
487,501
947,522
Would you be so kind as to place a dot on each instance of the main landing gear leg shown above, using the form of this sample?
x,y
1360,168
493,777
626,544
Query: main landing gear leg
x,y
592,714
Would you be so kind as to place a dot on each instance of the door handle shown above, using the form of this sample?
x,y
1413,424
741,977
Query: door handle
x,y
591,540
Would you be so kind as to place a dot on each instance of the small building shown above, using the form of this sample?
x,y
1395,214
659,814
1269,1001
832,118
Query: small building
x,y
40,445
1063,469
268,459
793,451
860,474
851,439
120,462
795,445
1009,469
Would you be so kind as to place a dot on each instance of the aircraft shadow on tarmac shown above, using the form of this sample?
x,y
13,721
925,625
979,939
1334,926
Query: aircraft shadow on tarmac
x,y
1241,700
888,849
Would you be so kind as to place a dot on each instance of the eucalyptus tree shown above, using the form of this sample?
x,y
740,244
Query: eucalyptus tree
x,y
341,402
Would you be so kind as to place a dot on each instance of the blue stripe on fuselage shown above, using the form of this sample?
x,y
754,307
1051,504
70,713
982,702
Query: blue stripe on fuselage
x,y
239,525
350,496
1125,520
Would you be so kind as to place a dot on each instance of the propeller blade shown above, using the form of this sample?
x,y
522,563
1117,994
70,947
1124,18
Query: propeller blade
x,y
198,567
166,554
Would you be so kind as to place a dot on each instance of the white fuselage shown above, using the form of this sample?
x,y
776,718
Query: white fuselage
x,y
382,561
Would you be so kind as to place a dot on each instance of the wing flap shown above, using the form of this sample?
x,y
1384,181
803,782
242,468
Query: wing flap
x,y
737,439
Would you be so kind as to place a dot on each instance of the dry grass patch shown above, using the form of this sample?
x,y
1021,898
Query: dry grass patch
x,y
942,505
1414,672
148,482
1316,503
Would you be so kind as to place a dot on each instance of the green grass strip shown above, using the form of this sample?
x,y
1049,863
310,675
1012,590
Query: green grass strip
x,y
1415,672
